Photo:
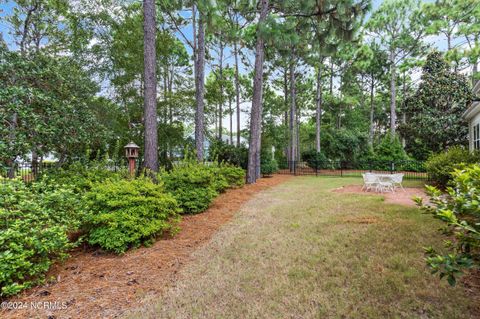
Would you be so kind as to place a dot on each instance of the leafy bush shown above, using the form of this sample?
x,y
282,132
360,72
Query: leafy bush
x,y
126,213
315,160
233,175
440,166
390,149
223,152
459,208
193,185
33,233
268,165
82,176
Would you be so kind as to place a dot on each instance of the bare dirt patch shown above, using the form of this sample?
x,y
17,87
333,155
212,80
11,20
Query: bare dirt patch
x,y
92,284
399,197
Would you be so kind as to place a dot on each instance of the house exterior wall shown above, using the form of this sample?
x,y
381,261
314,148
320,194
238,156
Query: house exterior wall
x,y
472,115
474,132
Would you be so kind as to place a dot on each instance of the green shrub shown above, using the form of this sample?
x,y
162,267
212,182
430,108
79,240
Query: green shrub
x,y
233,175
315,160
440,166
126,213
390,149
268,165
223,152
82,176
193,185
33,233
459,208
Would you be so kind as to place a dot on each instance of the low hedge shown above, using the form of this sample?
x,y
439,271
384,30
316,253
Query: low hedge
x,y
440,166
33,232
126,213
195,185
103,206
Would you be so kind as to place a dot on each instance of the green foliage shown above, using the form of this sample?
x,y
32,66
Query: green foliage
x,y
390,149
233,175
440,166
314,160
47,105
193,185
33,232
459,209
224,152
81,177
126,213
268,165
434,113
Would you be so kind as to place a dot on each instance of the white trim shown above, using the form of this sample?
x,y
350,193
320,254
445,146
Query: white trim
x,y
473,110
476,87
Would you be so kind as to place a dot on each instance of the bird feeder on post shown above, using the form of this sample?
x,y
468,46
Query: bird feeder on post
x,y
131,152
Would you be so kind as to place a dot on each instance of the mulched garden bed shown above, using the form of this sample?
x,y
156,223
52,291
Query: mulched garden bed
x,y
94,284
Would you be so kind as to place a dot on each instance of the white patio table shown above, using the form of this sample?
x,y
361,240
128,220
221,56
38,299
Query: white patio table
x,y
385,182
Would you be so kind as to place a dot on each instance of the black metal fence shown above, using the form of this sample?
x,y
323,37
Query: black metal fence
x,y
410,169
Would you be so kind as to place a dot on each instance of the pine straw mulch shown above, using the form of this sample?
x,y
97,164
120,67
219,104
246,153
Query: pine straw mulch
x,y
94,284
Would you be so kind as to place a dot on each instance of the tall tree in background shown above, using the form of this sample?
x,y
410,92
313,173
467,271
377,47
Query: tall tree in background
x,y
199,68
253,169
397,27
435,110
445,18
371,64
150,83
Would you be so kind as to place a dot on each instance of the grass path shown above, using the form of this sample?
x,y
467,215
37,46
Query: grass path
x,y
299,250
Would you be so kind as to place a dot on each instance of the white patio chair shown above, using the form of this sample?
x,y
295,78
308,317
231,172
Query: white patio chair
x,y
397,180
385,186
369,181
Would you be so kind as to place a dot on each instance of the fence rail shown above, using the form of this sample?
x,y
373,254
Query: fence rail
x,y
410,169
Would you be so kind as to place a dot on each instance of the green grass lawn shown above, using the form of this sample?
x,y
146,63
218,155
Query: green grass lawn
x,y
301,251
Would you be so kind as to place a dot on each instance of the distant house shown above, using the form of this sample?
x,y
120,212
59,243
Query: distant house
x,y
207,141
472,115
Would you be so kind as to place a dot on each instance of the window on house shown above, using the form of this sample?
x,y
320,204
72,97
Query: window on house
x,y
476,136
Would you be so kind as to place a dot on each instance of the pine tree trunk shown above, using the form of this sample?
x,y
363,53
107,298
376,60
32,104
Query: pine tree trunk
x,y
318,117
231,120
293,109
256,113
285,94
220,109
404,116
372,113
200,88
237,90
150,93
393,95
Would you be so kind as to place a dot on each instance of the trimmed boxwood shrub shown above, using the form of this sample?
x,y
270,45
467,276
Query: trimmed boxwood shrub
x,y
126,213
440,166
